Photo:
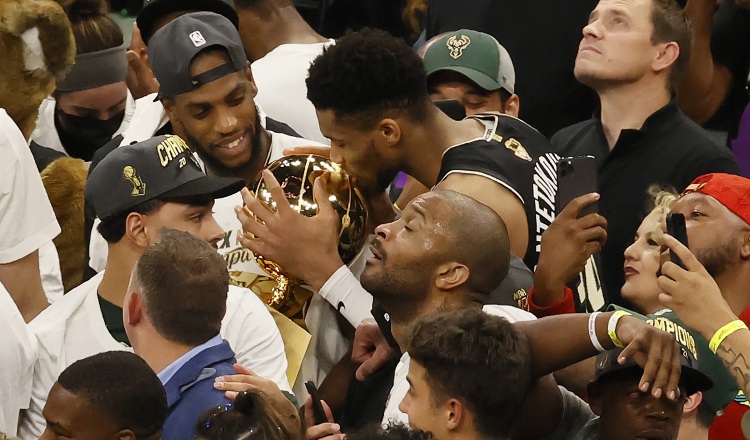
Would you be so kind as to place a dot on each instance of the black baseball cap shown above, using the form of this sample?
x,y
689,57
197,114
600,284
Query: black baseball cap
x,y
153,10
691,378
159,168
174,47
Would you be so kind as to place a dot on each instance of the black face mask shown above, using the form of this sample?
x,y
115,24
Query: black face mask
x,y
81,136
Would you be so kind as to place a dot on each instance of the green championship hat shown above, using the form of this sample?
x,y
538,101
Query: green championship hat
x,y
724,386
475,55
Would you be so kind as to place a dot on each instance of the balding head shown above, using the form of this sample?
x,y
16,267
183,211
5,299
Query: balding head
x,y
477,237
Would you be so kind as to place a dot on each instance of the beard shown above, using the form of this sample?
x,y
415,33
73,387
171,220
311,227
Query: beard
x,y
718,259
216,166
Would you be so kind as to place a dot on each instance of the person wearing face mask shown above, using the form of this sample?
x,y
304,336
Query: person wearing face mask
x,y
92,103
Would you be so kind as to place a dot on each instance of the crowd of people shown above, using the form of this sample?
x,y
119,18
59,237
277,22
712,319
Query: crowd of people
x,y
496,297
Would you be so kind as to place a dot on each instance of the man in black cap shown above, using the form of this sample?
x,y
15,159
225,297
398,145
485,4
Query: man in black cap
x,y
137,191
207,91
278,42
622,412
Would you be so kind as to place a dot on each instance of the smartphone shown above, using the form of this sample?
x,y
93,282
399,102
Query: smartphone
x,y
452,108
318,411
576,176
676,228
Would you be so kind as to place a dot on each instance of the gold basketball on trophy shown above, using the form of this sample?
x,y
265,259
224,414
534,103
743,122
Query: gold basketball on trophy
x,y
296,175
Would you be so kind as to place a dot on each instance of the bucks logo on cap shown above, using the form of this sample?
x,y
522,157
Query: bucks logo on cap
x,y
457,45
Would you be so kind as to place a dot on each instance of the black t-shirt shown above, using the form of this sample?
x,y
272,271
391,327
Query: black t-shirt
x,y
542,38
669,150
516,156
730,47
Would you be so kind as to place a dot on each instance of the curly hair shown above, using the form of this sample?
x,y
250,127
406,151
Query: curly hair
x,y
661,199
477,358
366,76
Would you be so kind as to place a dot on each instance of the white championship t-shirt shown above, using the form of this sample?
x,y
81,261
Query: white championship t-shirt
x,y
17,357
282,92
27,221
401,386
73,328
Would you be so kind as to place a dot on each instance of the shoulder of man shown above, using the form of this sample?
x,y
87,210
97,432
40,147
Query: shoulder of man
x,y
564,139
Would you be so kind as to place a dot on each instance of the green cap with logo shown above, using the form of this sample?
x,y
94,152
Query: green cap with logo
x,y
475,55
724,386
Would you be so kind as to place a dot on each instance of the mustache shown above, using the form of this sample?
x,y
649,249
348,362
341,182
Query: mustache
x,y
379,248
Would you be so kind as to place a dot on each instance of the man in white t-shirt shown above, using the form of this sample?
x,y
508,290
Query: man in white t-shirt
x,y
137,190
17,357
27,226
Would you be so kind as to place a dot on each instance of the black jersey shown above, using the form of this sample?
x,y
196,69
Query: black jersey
x,y
518,157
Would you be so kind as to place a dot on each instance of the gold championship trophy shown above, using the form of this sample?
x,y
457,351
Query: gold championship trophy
x,y
296,175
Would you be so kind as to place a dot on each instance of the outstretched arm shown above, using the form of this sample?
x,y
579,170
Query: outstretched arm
x,y
559,341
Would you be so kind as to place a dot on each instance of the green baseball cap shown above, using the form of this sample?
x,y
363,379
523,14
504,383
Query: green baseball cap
x,y
724,386
475,55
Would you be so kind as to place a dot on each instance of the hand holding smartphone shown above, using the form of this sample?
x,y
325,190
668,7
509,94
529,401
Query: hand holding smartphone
x,y
576,176
318,411
676,228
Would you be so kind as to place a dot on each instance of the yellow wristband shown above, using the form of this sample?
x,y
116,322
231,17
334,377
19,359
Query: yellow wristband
x,y
723,332
396,207
612,326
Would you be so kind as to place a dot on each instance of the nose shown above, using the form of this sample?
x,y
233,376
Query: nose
x,y
631,251
336,155
591,30
47,434
658,409
214,232
226,121
384,231
403,406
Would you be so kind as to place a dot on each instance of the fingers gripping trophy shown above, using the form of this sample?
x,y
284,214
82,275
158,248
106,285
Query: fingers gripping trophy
x,y
296,176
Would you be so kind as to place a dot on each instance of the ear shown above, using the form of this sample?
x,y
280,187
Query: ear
x,y
135,308
692,402
126,434
249,76
595,397
456,414
666,57
135,229
513,105
745,243
451,275
170,108
391,131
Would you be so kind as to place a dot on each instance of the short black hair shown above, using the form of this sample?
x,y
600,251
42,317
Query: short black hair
x,y
477,358
112,228
369,75
394,431
184,283
121,386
